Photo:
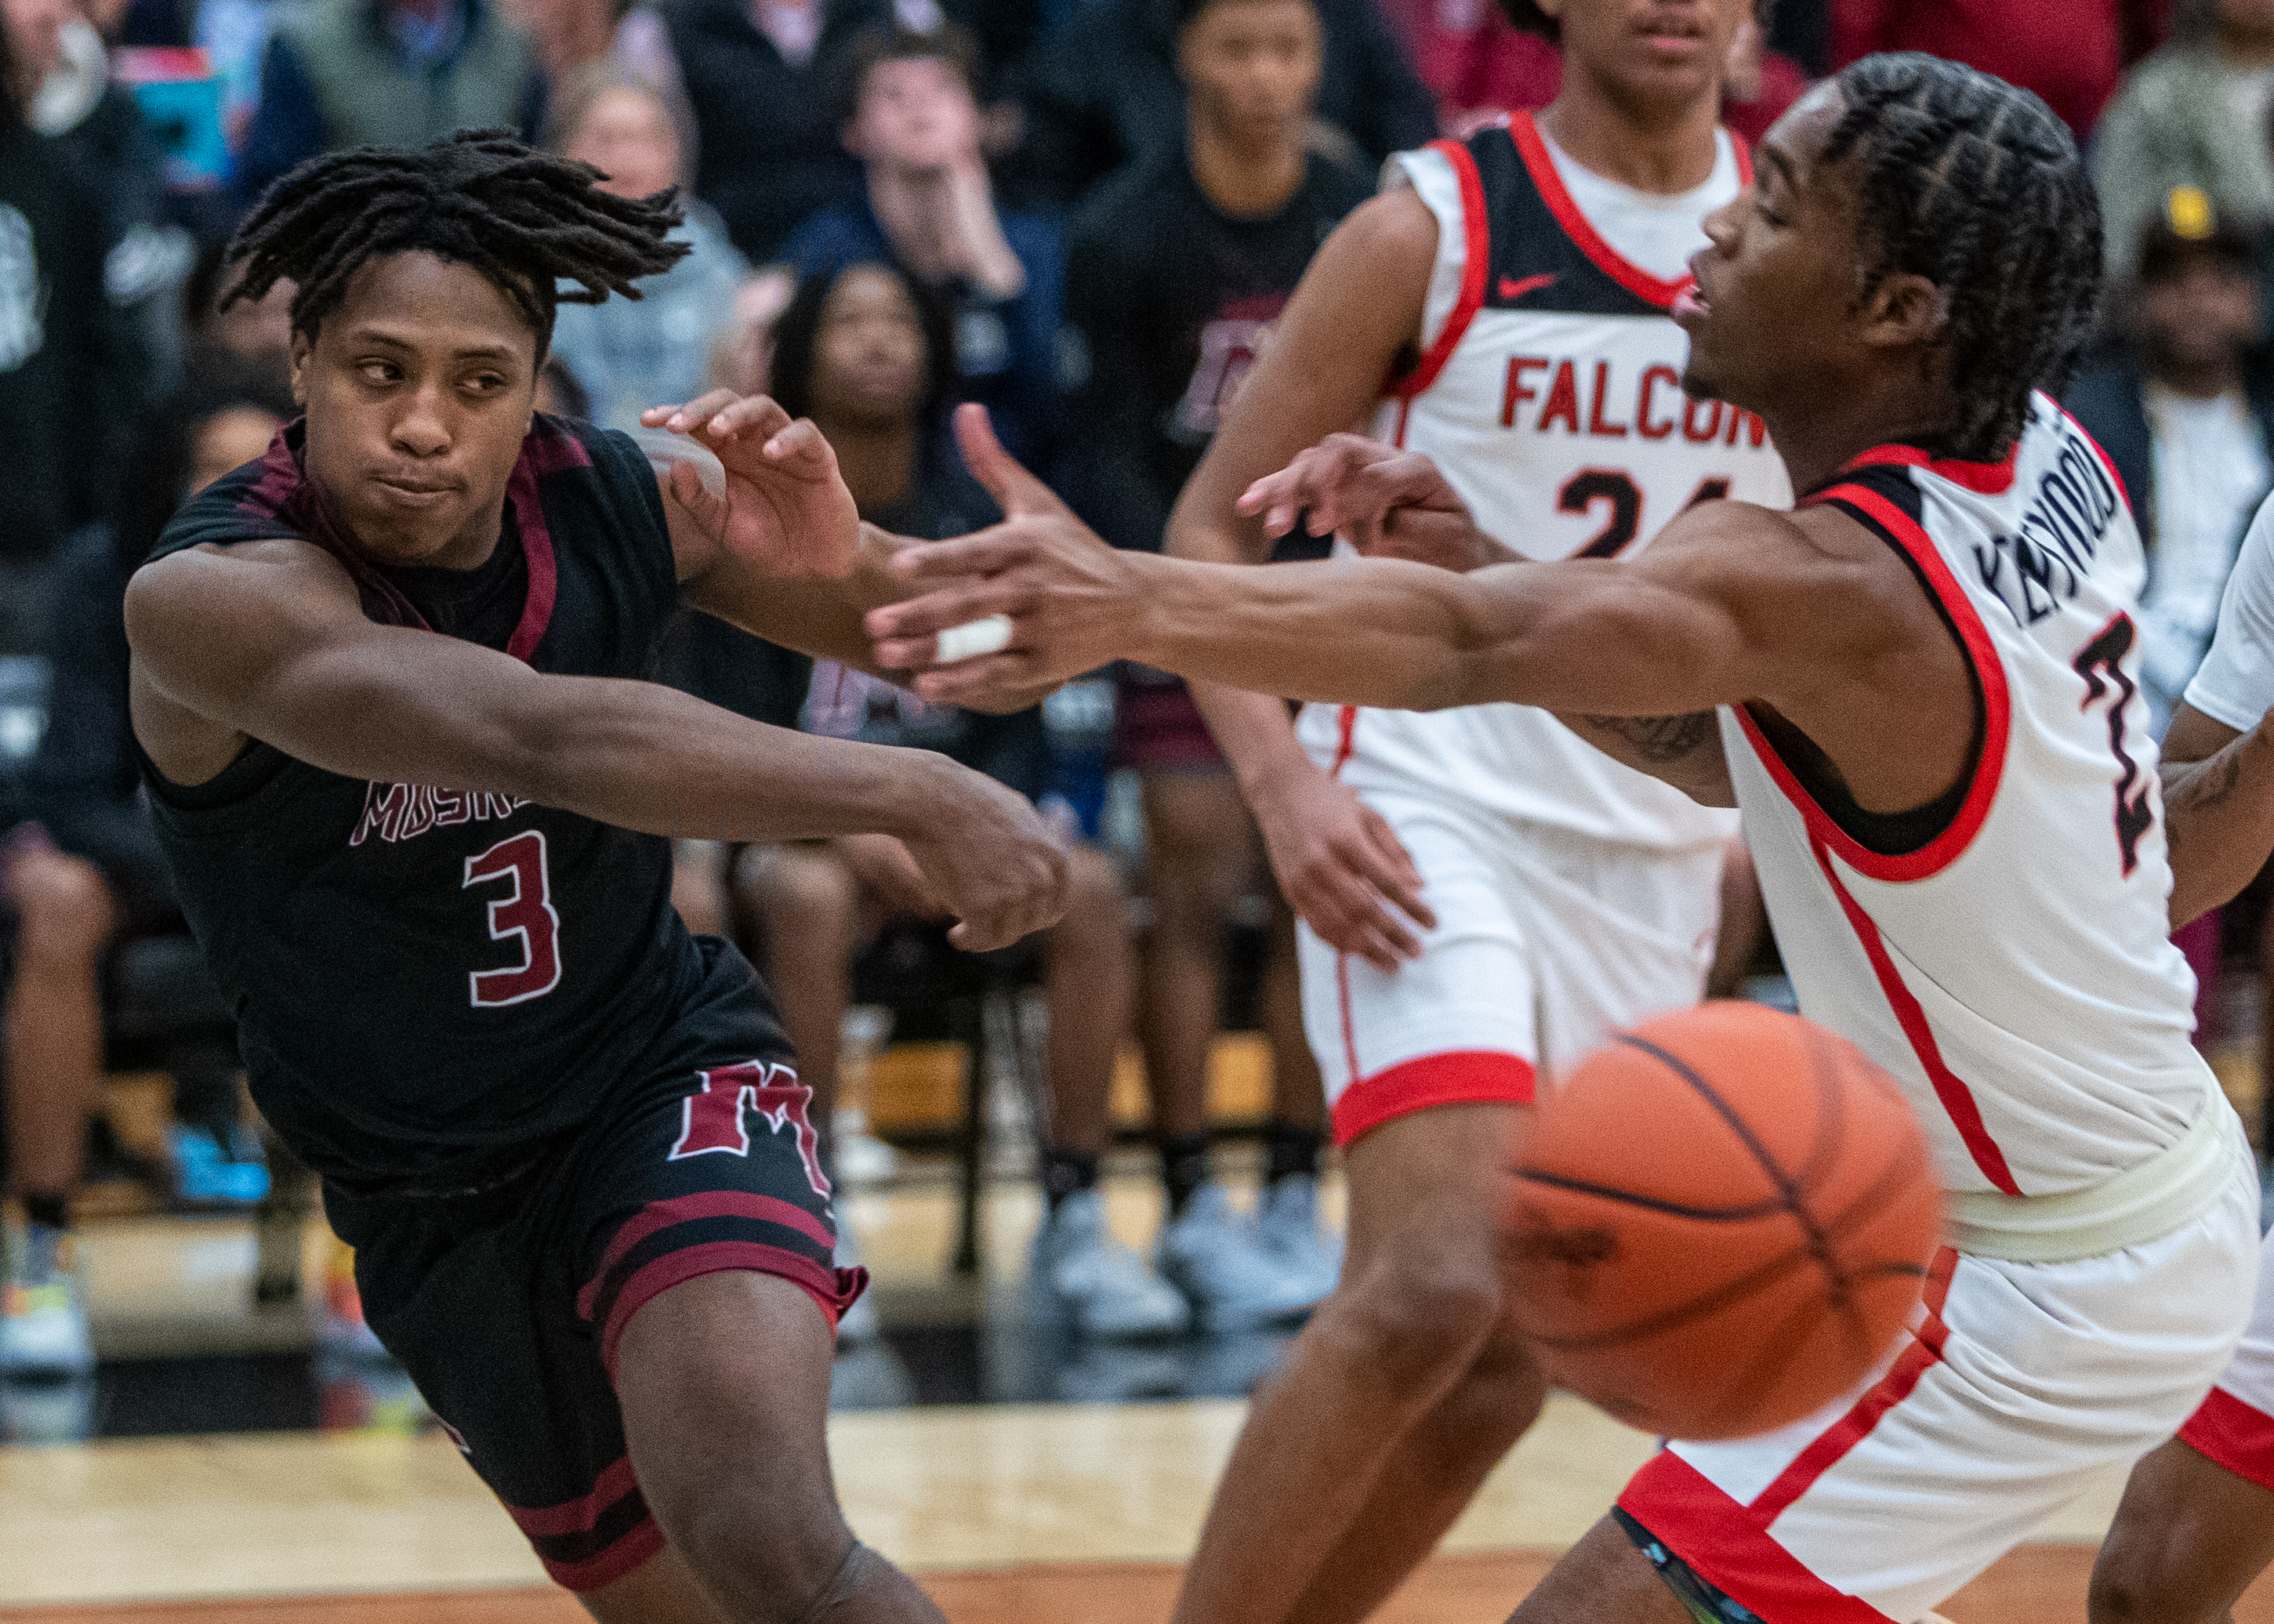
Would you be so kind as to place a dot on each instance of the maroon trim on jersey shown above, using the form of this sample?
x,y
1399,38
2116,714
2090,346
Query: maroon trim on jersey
x,y
1476,266
2228,1432
1981,478
834,1290
1728,1544
547,450
1458,1077
1997,705
1541,164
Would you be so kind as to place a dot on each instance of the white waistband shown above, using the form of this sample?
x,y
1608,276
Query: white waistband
x,y
2171,1188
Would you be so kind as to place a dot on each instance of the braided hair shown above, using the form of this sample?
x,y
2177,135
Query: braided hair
x,y
1979,187
523,219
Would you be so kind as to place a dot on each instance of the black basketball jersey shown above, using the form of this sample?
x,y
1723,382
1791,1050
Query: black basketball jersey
x,y
429,983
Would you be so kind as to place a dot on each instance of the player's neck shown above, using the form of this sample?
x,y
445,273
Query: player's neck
x,y
2205,379
1250,179
1662,150
1821,435
879,461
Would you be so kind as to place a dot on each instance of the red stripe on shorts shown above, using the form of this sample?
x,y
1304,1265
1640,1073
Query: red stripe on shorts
x,y
1459,1077
657,1215
1728,1548
599,1572
834,1289
2230,1433
1831,1446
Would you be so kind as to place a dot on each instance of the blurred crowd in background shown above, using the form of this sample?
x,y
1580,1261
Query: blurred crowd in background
x,y
1085,214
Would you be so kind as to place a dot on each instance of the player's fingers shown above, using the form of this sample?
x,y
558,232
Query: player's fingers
x,y
1398,875
978,684
911,640
755,415
690,417
706,510
1015,490
983,552
799,445
1367,904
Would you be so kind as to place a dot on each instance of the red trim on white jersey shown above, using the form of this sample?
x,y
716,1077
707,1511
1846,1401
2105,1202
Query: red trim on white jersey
x,y
1831,1446
1541,165
1984,478
1459,1077
2114,478
2230,1433
1997,706
1476,265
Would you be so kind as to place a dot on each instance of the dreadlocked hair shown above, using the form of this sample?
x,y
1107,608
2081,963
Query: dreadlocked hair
x,y
1979,187
525,220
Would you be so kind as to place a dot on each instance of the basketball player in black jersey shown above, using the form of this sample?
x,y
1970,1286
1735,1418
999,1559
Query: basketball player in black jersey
x,y
387,686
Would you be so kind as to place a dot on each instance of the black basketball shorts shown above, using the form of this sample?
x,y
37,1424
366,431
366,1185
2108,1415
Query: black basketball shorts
x,y
506,1303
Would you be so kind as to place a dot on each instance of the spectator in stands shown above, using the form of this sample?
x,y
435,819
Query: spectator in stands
x,y
912,117
386,73
1476,62
742,353
1760,82
1106,90
2199,113
630,355
2071,53
83,874
73,360
760,77
2181,398
1175,271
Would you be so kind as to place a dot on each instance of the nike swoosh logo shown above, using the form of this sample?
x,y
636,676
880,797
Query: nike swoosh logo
x,y
1511,289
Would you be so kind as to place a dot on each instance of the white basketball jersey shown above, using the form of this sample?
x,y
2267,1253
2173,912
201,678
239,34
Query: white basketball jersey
x,y
2010,963
1549,392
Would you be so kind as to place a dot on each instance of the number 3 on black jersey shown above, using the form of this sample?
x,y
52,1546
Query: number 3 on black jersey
x,y
526,913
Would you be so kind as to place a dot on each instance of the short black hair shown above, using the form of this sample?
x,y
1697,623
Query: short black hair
x,y
524,219
1978,186
1527,18
872,48
1188,10
798,329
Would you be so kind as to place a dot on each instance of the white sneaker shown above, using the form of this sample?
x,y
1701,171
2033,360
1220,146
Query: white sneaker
x,y
43,1308
859,1323
1079,1270
1287,1222
1214,1256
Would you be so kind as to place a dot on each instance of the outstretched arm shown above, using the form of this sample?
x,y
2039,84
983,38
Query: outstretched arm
x,y
1807,612
267,639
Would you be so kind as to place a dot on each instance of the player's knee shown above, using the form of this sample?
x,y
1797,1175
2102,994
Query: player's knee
x,y
64,913
2128,1588
759,1545
1410,1318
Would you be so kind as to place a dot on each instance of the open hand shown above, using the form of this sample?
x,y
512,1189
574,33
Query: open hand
x,y
1389,503
1341,868
785,508
1066,595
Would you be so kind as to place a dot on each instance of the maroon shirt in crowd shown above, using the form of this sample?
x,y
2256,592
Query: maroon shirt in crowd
x,y
2071,52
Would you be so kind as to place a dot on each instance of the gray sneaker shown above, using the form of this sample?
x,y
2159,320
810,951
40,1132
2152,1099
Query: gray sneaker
x,y
42,1307
1080,1270
1215,1255
1287,1222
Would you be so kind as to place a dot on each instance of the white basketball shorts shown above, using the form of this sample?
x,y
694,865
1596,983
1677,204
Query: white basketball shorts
x,y
2235,1425
1546,944
2020,1387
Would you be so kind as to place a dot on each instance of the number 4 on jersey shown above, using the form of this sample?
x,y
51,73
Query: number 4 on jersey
x,y
524,913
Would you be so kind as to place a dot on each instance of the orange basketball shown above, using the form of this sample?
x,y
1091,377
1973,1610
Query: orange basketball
x,y
1720,1222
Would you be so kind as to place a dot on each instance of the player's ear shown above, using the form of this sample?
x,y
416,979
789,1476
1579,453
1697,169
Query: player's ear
x,y
1906,310
302,348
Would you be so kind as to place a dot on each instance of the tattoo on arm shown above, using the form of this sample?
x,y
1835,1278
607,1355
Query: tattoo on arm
x,y
1660,739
